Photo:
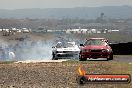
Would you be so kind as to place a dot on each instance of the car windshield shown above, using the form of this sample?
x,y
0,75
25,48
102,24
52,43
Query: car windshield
x,y
69,45
95,42
65,45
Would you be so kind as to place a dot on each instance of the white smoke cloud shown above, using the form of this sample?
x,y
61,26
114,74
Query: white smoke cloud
x,y
34,50
40,50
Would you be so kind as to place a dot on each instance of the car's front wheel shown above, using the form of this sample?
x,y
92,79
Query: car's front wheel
x,y
53,57
82,59
110,57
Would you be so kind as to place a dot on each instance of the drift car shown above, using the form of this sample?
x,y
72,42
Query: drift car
x,y
95,48
65,50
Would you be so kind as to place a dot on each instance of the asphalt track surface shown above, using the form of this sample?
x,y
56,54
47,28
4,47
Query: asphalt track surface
x,y
123,59
116,58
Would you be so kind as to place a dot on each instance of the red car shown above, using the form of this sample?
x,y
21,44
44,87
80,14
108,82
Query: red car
x,y
95,48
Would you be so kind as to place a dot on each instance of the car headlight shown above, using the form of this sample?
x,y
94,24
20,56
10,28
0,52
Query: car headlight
x,y
109,50
106,50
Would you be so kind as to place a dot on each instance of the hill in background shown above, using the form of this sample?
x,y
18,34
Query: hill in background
x,y
121,12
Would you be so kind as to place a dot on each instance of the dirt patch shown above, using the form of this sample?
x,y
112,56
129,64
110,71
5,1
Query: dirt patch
x,y
56,75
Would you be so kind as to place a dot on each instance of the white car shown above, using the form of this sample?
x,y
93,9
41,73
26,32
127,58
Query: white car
x,y
65,50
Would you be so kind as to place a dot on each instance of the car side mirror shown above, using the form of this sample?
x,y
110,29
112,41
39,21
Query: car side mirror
x,y
81,45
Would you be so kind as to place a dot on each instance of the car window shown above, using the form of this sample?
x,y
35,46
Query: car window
x,y
59,45
65,45
95,42
70,45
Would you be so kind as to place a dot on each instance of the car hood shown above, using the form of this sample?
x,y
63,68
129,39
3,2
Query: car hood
x,y
95,47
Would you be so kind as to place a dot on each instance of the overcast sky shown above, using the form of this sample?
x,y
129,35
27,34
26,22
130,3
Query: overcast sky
x,y
19,4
